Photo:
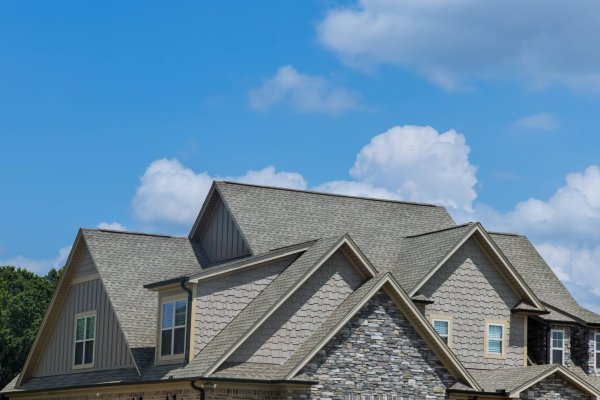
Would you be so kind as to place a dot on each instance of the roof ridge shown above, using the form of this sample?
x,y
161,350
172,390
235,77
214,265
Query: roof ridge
x,y
135,233
315,192
505,233
441,230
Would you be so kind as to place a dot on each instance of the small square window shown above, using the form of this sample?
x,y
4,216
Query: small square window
x,y
495,337
442,327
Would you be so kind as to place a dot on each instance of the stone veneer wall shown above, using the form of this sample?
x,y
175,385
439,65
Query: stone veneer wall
x,y
537,339
378,355
554,388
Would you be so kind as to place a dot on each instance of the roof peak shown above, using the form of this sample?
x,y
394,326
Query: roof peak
x,y
314,192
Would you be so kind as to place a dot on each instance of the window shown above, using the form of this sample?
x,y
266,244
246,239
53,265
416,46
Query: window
x,y
442,327
173,325
85,337
597,352
494,339
557,346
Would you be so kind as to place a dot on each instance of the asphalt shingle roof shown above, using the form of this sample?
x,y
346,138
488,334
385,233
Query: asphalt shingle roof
x,y
125,262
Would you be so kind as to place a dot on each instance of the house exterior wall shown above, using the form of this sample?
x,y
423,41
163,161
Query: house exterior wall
x,y
221,239
378,354
554,388
86,266
220,300
302,313
110,347
469,288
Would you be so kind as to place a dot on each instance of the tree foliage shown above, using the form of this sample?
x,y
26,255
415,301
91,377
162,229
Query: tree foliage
x,y
24,297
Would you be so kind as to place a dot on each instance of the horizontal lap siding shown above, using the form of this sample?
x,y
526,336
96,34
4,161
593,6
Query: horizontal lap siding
x,y
470,289
111,349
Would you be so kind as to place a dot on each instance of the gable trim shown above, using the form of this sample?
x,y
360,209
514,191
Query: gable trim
x,y
393,289
568,375
478,228
246,264
85,278
343,240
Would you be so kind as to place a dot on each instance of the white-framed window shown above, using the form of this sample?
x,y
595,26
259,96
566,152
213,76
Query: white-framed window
x,y
495,339
597,347
442,327
173,328
557,346
85,340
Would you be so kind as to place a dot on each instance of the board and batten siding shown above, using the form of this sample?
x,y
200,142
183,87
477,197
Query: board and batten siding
x,y
470,289
301,315
220,238
220,300
110,347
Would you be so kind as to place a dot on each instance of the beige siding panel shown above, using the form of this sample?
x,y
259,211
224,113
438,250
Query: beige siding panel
x,y
220,300
302,313
220,238
470,289
86,267
111,349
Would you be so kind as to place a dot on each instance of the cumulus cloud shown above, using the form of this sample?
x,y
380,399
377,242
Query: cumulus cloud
x,y
538,122
302,92
39,266
449,41
173,194
415,163
113,226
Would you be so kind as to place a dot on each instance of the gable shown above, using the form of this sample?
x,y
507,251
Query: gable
x,y
302,313
218,232
378,352
221,299
468,288
111,350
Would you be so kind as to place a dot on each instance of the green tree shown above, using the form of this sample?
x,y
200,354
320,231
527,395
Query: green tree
x,y
24,297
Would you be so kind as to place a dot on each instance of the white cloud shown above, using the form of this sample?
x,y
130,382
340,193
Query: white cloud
x,y
539,122
172,194
113,226
39,266
302,92
450,42
415,163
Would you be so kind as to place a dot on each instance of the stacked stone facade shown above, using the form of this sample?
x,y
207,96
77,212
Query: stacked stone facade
x,y
378,355
554,388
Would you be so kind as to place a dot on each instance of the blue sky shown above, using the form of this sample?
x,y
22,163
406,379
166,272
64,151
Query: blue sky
x,y
122,113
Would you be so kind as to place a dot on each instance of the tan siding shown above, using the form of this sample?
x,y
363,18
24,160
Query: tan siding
x,y
111,349
219,300
86,267
220,238
470,289
302,313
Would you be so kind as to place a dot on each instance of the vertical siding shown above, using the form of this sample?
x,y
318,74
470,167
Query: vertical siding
x,y
220,300
221,239
470,289
302,313
111,349
86,267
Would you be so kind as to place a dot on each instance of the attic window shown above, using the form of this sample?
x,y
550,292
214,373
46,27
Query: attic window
x,y
442,324
85,337
173,325
557,346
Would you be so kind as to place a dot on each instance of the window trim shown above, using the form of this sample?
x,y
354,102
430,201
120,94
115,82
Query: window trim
x,y
596,351
445,318
552,348
85,314
171,299
502,323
